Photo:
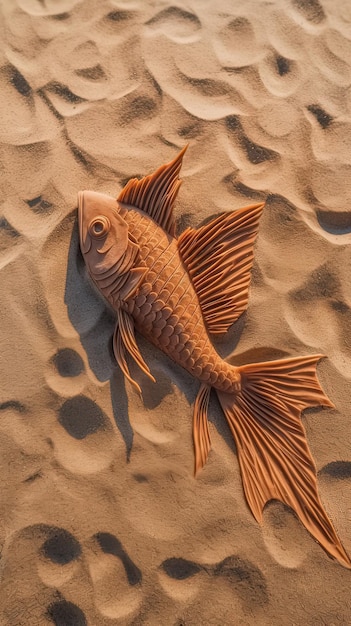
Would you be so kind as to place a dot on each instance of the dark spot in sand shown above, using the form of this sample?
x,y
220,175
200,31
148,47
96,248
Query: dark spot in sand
x,y
191,131
80,156
19,82
180,569
232,123
92,73
323,118
335,222
140,478
61,547
12,404
81,417
60,17
340,307
209,87
6,227
40,205
68,363
111,545
337,469
64,92
312,10
246,577
64,613
255,153
142,107
118,16
236,187
283,65
33,477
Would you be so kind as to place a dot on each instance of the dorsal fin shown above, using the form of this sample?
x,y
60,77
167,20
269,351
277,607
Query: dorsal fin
x,y
218,258
155,194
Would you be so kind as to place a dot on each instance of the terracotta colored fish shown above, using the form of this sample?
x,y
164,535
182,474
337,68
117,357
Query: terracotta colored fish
x,y
177,292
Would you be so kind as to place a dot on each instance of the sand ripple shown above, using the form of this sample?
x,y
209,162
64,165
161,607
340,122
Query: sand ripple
x,y
102,522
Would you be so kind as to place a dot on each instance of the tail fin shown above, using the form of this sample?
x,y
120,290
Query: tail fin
x,y
274,457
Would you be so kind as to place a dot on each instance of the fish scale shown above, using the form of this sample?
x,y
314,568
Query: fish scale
x,y
166,309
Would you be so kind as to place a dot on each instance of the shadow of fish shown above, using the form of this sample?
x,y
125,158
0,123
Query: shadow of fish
x,y
177,292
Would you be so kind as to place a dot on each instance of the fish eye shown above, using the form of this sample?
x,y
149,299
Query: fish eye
x,y
99,226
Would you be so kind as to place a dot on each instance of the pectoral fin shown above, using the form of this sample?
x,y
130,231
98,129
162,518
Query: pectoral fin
x,y
124,341
128,287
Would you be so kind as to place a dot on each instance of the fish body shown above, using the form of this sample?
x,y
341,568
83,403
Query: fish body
x,y
178,292
166,309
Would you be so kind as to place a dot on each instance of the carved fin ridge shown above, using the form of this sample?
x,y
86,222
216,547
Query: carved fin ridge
x,y
219,257
124,341
201,433
156,193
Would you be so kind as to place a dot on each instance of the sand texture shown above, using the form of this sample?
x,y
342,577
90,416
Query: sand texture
x,y
101,520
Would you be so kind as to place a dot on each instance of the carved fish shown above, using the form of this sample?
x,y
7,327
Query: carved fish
x,y
177,292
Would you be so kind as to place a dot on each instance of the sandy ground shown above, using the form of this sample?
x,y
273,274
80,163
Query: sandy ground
x,y
101,519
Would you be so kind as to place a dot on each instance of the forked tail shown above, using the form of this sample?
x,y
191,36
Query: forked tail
x,y
274,457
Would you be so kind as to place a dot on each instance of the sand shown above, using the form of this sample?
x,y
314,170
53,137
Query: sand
x,y
101,519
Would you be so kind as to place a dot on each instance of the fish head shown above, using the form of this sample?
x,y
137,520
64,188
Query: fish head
x,y
103,233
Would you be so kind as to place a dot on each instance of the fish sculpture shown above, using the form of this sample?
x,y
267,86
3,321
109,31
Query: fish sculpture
x,y
178,292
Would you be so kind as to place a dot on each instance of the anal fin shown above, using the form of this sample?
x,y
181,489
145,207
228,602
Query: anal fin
x,y
201,433
124,341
